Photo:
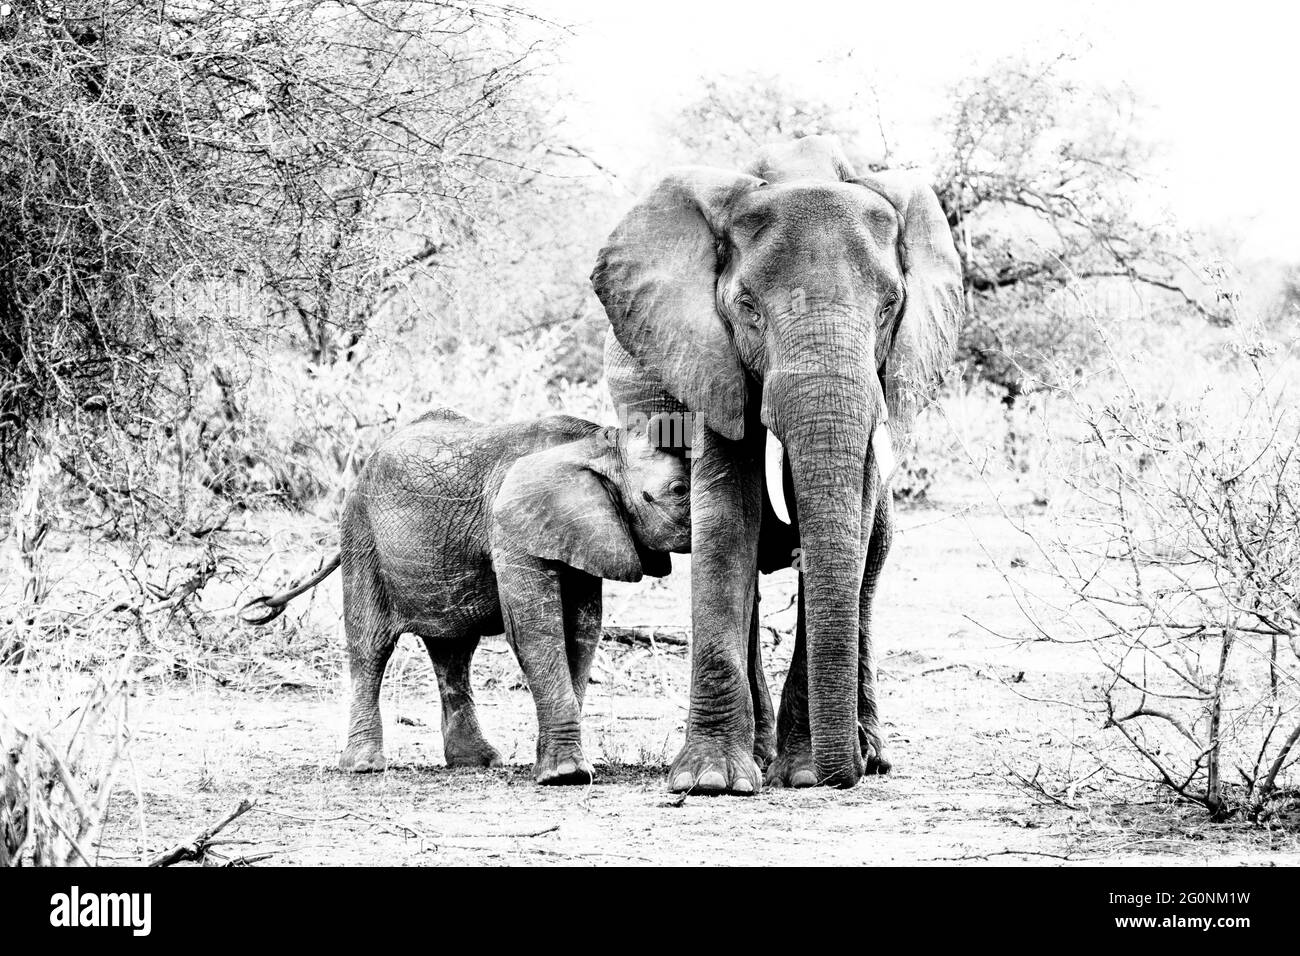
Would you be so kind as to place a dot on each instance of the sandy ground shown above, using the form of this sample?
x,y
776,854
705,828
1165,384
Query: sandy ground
x,y
967,704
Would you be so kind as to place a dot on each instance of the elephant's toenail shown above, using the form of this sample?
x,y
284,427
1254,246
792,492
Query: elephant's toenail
x,y
712,780
742,786
683,781
566,767
803,778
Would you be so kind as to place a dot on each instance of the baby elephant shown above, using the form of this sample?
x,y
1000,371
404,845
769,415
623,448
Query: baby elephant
x,y
456,530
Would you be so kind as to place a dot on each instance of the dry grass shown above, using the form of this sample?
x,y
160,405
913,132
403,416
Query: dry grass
x,y
57,782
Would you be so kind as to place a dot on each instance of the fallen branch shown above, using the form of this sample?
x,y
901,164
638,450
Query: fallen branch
x,y
196,847
984,856
1062,797
649,636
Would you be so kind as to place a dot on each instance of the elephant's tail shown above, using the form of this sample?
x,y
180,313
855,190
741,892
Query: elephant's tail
x,y
265,609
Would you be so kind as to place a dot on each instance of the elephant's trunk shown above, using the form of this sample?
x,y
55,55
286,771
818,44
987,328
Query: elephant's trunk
x,y
825,419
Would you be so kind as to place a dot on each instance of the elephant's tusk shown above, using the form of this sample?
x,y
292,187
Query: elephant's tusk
x,y
882,449
774,472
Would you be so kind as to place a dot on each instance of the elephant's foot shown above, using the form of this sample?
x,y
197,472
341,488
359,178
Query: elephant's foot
x,y
562,764
873,751
793,766
707,765
463,744
363,756
470,753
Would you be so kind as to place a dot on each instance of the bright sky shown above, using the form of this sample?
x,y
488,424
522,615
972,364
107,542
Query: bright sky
x,y
1221,78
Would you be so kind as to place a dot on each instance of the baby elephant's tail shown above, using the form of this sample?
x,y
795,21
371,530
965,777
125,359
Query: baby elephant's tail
x,y
265,609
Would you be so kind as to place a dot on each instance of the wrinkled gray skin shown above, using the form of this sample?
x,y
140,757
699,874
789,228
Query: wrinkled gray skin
x,y
456,530
802,299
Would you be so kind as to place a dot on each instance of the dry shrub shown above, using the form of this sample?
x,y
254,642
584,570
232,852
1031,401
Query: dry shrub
x,y
1181,563
181,181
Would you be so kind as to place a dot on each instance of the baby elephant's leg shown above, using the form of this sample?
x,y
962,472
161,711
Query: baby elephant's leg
x,y
582,625
371,637
462,739
533,611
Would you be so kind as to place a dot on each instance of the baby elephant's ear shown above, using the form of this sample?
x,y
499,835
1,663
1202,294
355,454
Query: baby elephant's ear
x,y
555,507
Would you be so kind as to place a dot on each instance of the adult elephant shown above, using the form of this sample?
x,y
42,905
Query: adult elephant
x,y
805,301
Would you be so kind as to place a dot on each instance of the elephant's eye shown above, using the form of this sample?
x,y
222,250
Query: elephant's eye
x,y
887,307
678,488
752,315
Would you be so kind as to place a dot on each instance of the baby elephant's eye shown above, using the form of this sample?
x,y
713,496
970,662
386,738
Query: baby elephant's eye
x,y
678,488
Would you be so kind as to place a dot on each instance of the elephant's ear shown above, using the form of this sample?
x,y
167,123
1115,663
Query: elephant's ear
x,y
657,277
553,506
933,301
809,157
